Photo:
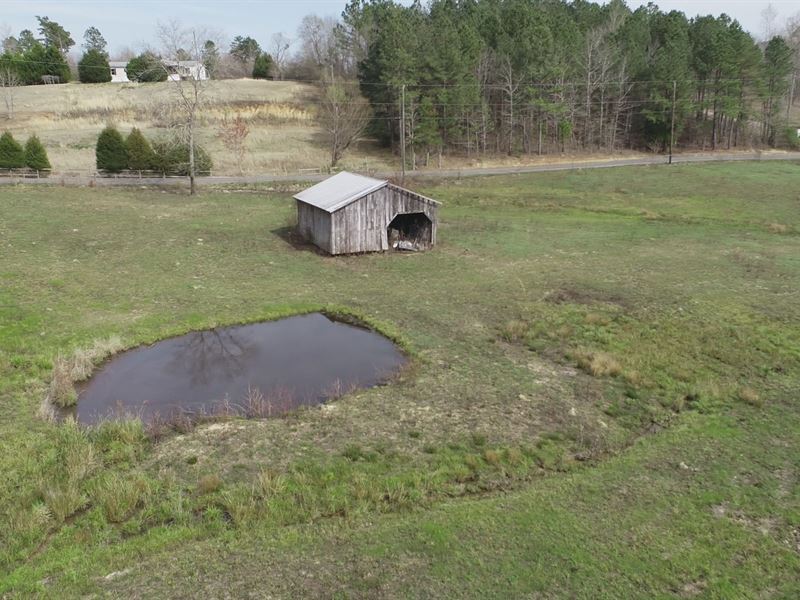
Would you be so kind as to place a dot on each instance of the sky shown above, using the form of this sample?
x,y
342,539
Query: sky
x,y
132,24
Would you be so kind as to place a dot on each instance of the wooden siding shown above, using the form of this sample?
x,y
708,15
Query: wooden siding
x,y
362,225
314,224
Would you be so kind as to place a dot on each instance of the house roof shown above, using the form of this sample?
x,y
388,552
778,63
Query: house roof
x,y
339,191
117,64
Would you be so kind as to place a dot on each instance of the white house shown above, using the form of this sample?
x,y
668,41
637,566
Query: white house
x,y
119,73
185,69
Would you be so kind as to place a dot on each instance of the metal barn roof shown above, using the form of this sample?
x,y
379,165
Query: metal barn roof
x,y
339,191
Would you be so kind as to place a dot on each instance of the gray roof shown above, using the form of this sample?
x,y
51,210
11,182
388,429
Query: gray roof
x,y
339,191
117,64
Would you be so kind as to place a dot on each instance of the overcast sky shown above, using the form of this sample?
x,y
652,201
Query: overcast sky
x,y
132,24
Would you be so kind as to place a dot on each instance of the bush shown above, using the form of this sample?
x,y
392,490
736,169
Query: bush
x,y
94,68
111,153
262,67
140,153
12,156
36,155
146,67
172,158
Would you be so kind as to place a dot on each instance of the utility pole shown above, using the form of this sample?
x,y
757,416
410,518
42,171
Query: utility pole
x,y
403,133
672,120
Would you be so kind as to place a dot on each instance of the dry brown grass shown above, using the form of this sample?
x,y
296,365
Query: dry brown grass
x,y
77,367
751,397
209,484
599,364
778,228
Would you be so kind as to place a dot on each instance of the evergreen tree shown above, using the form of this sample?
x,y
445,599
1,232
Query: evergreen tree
x,y
94,40
36,155
172,158
55,35
140,153
12,156
111,153
244,49
94,67
262,67
146,67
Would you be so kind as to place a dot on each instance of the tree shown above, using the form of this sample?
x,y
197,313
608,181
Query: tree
x,y
210,55
262,67
176,157
111,153
146,67
189,92
55,35
94,67
94,40
140,153
9,81
279,51
36,155
26,41
12,156
777,67
344,115
245,49
233,133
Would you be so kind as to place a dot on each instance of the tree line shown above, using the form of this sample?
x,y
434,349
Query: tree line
x,y
540,76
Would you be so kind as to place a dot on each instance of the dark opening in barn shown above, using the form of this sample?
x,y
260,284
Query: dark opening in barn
x,y
410,231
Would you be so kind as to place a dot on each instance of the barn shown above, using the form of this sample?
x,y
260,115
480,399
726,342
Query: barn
x,y
349,213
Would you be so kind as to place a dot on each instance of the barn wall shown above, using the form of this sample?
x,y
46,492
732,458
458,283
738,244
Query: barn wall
x,y
314,224
361,226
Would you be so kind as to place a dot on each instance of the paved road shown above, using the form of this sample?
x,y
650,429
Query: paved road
x,y
437,174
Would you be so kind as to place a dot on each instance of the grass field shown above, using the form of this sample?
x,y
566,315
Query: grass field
x,y
602,401
284,135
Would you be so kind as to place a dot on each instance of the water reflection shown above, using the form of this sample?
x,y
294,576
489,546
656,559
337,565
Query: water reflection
x,y
256,370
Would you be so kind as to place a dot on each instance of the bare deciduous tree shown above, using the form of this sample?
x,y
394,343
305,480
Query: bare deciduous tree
x,y
344,114
279,50
186,44
9,80
233,133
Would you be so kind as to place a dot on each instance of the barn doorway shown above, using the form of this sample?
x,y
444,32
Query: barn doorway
x,y
410,231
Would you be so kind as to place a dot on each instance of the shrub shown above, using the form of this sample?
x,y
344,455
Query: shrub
x,y
36,155
140,152
146,67
12,156
94,68
172,158
262,67
111,153
599,364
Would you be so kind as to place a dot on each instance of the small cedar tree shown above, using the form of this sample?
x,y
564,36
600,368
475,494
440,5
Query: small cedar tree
x,y
140,153
262,67
172,158
94,68
12,156
111,153
36,155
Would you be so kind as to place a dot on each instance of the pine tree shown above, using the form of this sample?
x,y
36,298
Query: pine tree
x,y
12,156
94,68
140,153
111,153
36,155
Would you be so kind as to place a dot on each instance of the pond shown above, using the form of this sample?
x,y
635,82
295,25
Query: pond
x,y
257,370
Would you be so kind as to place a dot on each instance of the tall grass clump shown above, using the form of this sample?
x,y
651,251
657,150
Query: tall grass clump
x,y
78,367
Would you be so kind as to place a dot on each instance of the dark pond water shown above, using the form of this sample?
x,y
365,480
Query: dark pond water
x,y
256,370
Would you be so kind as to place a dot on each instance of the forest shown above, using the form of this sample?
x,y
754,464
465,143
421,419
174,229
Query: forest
x,y
545,76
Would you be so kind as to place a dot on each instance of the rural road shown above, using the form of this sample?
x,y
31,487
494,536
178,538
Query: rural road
x,y
85,179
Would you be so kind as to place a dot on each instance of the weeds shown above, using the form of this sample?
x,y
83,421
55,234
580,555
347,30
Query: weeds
x,y
750,396
598,364
209,484
120,496
78,367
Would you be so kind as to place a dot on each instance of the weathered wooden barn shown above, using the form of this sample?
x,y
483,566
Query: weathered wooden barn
x,y
349,213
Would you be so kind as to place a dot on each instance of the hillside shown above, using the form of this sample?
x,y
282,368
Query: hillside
x,y
284,136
